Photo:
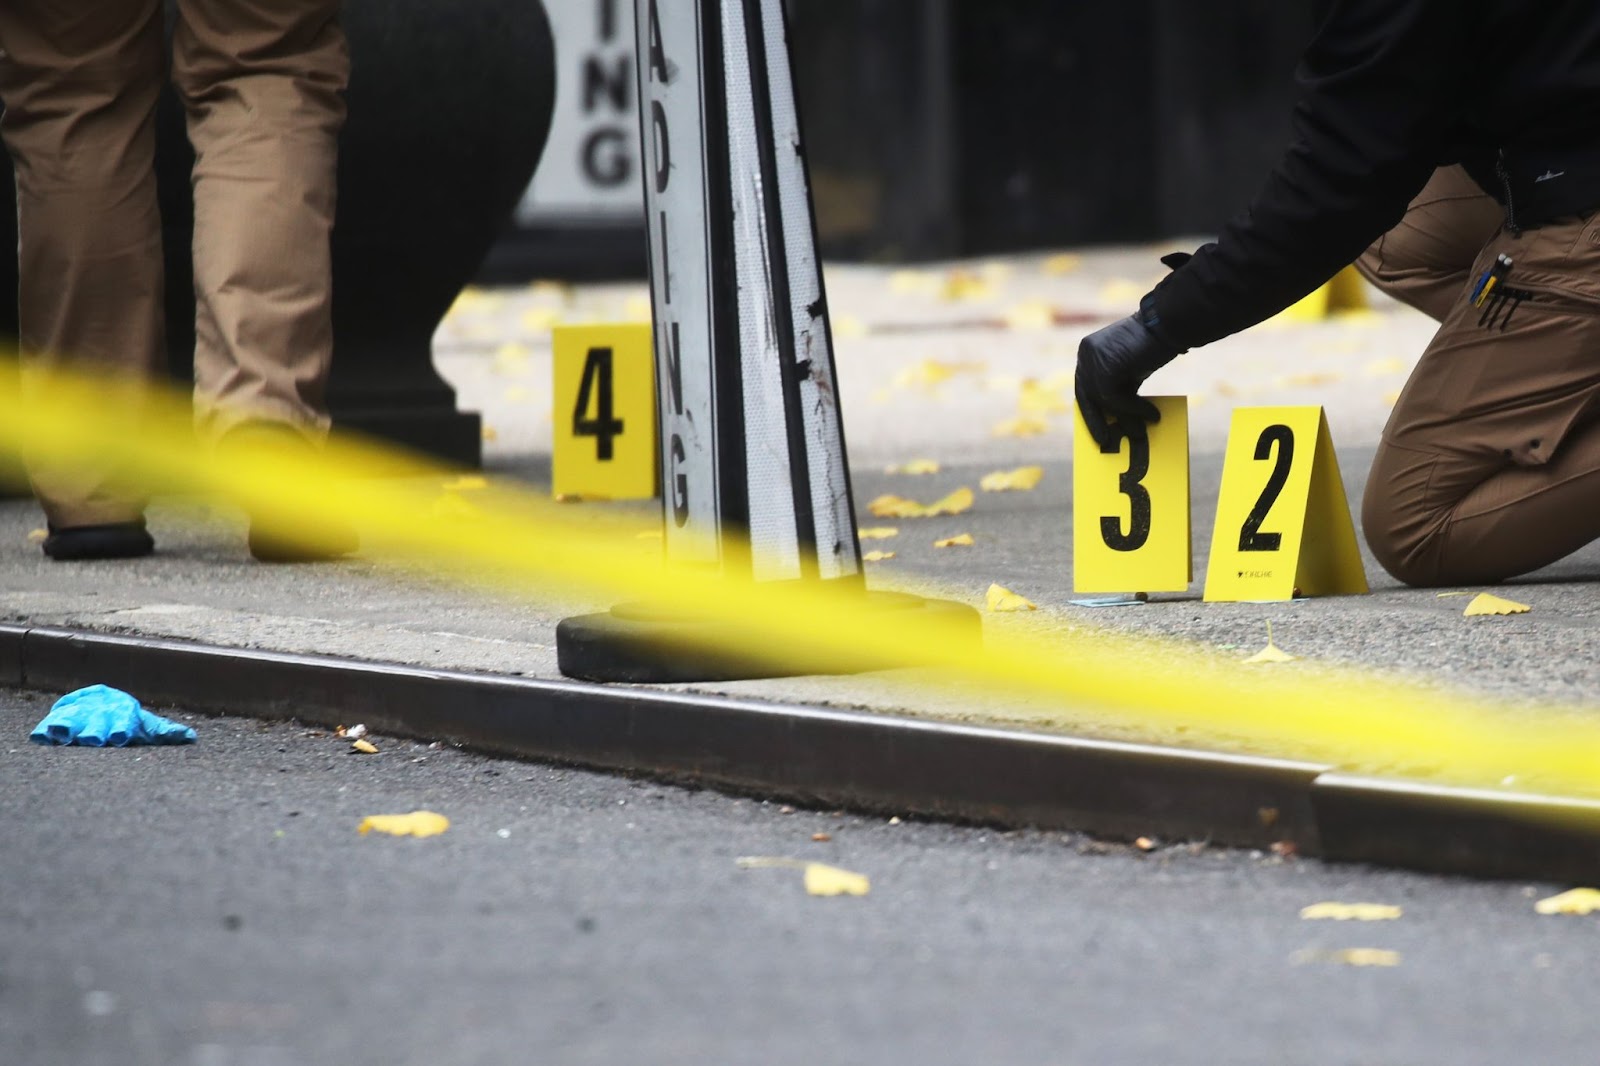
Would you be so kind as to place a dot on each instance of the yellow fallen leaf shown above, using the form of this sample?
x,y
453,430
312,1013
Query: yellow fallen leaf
x,y
471,299
1061,379
878,532
638,309
877,557
1002,600
1022,479
1391,398
820,879
1271,653
470,483
1226,391
37,536
560,290
490,433
1032,314
1574,901
915,467
823,880
1035,399
848,326
958,502
892,506
1379,368
960,540
1022,426
415,824
1058,265
1120,291
540,319
1350,912
1485,604
1352,957
931,372
966,285
365,747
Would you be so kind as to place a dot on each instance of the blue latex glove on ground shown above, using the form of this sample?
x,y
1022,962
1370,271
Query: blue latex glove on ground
x,y
103,717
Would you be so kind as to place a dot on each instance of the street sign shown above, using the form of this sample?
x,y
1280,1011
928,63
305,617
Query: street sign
x,y
752,443
590,169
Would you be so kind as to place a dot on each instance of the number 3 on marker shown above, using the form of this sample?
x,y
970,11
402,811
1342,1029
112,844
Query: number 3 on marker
x,y
1129,484
1130,526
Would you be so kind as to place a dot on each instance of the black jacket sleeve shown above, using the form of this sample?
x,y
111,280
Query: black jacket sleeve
x,y
1382,88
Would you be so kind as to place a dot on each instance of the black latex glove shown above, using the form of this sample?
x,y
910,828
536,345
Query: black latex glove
x,y
1112,364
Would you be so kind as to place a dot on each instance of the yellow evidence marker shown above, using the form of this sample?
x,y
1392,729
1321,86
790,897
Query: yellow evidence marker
x,y
1130,507
604,414
1283,525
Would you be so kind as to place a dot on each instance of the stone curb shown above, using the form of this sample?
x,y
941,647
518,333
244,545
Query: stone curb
x,y
862,761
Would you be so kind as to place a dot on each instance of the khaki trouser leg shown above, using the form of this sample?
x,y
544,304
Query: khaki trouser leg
x,y
1490,464
1424,260
262,81
80,83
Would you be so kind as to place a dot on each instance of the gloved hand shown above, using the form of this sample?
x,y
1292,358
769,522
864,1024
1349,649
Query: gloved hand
x,y
1112,363
100,716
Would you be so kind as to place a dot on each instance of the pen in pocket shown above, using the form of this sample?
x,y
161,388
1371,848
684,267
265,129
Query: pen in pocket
x,y
1492,277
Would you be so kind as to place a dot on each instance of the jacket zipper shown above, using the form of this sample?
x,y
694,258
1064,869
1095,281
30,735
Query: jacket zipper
x,y
1505,184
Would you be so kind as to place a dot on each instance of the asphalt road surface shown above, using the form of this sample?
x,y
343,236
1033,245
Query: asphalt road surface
x,y
214,905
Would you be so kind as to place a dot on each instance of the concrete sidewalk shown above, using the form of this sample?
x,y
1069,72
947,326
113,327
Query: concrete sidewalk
x,y
930,362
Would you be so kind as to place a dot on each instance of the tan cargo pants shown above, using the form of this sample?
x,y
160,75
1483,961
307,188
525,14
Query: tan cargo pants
x,y
1490,464
261,82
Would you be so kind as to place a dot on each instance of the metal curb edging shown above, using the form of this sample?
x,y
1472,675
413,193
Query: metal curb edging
x,y
859,760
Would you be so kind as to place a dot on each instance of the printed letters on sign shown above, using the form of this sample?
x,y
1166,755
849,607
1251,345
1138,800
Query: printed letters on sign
x,y
1283,524
1130,508
605,425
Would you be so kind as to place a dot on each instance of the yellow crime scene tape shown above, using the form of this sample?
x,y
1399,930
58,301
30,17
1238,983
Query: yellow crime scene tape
x,y
511,540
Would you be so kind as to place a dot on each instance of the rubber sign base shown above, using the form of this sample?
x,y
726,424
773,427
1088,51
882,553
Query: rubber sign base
x,y
639,644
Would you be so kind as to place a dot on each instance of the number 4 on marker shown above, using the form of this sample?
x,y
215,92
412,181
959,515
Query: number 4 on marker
x,y
1130,507
604,431
604,427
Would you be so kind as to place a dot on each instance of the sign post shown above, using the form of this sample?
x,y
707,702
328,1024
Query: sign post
x,y
754,478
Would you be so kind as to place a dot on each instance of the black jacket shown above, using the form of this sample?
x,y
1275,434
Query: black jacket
x,y
1391,90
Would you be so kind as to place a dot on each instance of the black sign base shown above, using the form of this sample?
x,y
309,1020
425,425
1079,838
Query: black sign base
x,y
638,644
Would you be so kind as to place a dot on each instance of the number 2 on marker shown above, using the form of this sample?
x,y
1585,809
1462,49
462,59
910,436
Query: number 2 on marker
x,y
605,427
1251,539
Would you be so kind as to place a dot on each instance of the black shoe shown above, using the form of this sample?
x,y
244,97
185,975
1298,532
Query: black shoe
x,y
116,540
276,540
273,543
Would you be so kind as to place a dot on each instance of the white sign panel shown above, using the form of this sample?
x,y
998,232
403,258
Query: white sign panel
x,y
590,169
677,221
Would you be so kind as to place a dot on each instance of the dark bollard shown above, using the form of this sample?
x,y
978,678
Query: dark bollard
x,y
450,104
